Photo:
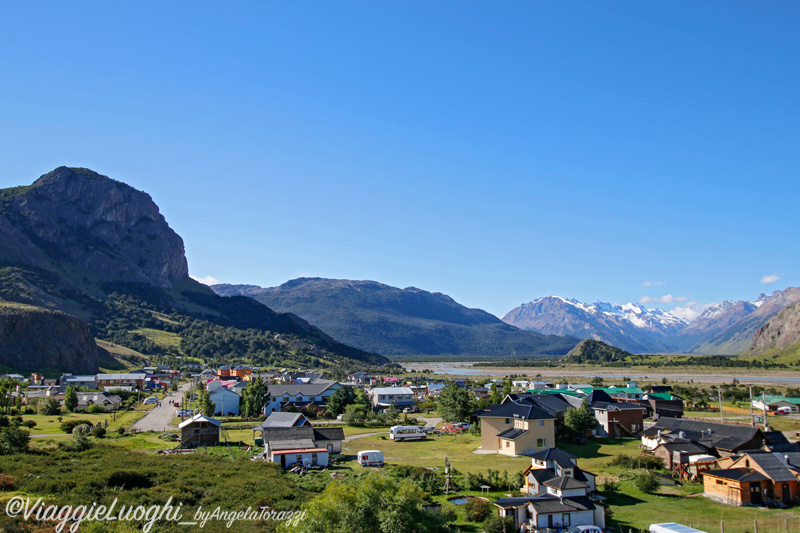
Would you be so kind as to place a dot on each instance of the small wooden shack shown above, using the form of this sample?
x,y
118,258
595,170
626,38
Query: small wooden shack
x,y
199,430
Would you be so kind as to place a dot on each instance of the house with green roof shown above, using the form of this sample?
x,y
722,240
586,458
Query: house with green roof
x,y
773,402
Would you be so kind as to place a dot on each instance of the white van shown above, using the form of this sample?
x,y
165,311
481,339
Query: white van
x,y
399,433
370,458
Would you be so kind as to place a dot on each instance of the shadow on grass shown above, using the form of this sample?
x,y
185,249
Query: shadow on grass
x,y
584,451
621,499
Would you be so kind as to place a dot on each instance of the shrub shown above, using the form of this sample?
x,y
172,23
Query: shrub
x,y
70,425
477,509
129,480
29,423
120,431
496,524
7,482
50,407
647,483
3,421
610,485
98,432
14,439
95,409
169,436
647,462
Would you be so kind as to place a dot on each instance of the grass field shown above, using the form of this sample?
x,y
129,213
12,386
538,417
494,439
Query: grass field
x,y
164,339
48,425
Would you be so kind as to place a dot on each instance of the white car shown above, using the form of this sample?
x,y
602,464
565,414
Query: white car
x,y
184,412
150,400
585,529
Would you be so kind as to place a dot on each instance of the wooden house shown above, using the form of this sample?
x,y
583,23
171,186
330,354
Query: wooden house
x,y
199,430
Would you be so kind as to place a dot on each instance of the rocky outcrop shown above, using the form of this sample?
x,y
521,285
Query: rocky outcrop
x,y
779,332
594,351
33,338
102,225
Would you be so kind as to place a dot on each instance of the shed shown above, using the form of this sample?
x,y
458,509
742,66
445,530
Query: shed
x,y
199,430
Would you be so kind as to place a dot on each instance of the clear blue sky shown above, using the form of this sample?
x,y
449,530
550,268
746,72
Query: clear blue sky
x,y
496,152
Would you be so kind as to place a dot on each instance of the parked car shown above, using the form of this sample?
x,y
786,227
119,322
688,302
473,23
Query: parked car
x,y
184,412
585,529
150,400
783,410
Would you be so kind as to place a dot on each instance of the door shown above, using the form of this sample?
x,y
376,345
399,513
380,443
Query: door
x,y
755,494
786,495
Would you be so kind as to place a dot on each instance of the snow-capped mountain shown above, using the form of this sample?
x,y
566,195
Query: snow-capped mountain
x,y
722,328
631,327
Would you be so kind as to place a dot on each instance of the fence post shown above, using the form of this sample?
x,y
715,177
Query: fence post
x,y
722,526
755,524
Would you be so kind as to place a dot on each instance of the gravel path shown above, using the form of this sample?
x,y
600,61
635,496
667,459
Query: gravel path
x,y
160,418
364,435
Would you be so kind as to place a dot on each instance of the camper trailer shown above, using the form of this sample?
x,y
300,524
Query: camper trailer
x,y
672,527
370,458
399,433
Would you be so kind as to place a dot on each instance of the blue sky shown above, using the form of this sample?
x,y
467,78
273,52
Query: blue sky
x,y
494,152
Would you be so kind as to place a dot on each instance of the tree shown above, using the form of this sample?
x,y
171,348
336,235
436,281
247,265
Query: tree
x,y
497,524
205,405
50,407
577,421
647,483
496,395
71,399
372,503
340,399
254,398
455,403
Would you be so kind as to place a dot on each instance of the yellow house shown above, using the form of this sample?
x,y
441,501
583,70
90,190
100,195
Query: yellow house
x,y
517,429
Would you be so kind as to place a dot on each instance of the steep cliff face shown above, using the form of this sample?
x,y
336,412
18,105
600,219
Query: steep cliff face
x,y
779,332
102,225
32,338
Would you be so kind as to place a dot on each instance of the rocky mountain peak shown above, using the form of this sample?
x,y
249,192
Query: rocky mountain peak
x,y
101,224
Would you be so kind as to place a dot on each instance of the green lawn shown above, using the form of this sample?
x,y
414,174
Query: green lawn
x,y
48,425
432,451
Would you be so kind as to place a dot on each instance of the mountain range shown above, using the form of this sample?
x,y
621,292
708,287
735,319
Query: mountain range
x,y
100,253
724,328
393,321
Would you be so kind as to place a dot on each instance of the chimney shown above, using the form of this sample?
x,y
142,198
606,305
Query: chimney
x,y
786,459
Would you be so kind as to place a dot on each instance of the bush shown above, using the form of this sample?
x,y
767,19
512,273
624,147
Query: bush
x,y
496,524
477,509
647,483
7,482
120,431
50,407
610,485
169,436
3,421
98,432
29,424
14,439
96,409
647,462
70,425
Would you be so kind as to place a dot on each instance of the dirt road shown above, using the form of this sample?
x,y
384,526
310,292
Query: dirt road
x,y
160,418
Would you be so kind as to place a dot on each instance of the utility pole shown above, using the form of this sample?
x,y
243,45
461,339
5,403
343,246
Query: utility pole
x,y
752,414
721,417
764,408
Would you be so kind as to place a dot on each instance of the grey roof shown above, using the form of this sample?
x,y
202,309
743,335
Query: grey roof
x,y
723,436
331,433
561,458
99,398
516,410
683,445
281,420
301,389
554,504
511,434
542,474
549,504
737,474
775,468
388,391
598,396
552,403
565,483
307,434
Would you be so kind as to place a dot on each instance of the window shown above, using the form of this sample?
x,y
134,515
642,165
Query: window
x,y
565,519
508,444
720,482
541,443
508,420
541,423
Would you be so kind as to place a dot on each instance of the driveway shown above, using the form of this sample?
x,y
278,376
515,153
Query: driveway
x,y
160,418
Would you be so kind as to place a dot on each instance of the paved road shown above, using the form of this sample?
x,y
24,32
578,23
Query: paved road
x,y
160,418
